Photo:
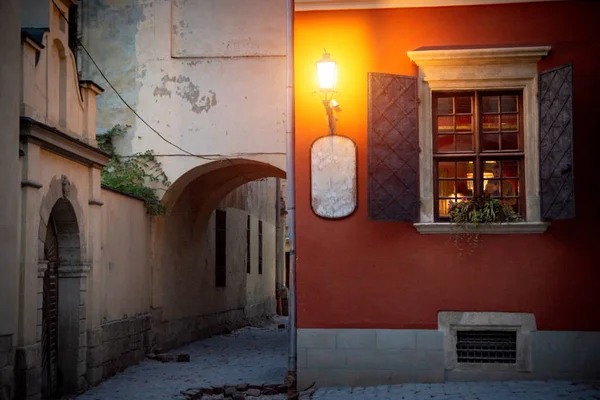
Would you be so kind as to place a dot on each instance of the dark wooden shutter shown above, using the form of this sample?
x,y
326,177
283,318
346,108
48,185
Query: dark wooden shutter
x,y
556,143
393,148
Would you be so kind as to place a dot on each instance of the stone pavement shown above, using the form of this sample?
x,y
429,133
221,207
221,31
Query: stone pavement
x,y
525,390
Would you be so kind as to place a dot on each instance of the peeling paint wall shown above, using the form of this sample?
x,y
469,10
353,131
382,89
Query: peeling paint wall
x,y
209,76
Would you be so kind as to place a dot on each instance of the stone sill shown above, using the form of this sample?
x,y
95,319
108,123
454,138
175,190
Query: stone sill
x,y
496,228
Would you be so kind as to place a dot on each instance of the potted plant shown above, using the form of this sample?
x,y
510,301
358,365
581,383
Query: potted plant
x,y
467,214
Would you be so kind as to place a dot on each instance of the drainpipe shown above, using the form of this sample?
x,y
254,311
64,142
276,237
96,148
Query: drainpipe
x,y
278,245
290,379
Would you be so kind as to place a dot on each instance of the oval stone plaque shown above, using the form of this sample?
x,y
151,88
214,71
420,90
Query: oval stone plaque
x,y
333,176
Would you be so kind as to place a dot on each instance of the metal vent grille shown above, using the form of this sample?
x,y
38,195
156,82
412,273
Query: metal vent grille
x,y
486,347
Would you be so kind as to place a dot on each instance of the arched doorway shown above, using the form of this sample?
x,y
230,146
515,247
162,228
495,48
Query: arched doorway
x,y
60,302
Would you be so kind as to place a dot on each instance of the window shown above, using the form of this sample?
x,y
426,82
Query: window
x,y
477,147
248,243
220,248
472,118
260,247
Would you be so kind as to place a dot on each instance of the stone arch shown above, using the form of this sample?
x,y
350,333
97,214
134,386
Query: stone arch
x,y
180,247
62,188
62,288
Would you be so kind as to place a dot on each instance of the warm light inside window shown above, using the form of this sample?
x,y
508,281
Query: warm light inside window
x,y
327,73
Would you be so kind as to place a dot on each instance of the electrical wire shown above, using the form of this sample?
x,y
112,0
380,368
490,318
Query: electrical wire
x,y
215,157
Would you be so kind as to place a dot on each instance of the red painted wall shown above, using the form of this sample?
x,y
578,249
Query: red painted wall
x,y
356,273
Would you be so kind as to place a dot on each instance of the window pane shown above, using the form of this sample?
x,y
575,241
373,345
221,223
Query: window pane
x,y
445,143
510,187
445,124
510,141
464,143
510,169
464,168
510,122
444,105
464,123
464,105
489,104
444,207
490,123
491,142
446,169
508,104
447,189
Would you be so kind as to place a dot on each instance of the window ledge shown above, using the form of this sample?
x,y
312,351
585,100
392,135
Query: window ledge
x,y
494,228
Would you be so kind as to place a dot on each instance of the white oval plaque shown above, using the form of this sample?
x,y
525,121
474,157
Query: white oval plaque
x,y
333,176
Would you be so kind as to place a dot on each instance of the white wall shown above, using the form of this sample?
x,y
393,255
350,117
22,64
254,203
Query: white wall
x,y
208,75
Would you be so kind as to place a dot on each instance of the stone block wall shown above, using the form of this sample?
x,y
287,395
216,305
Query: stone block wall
x,y
365,357
6,367
116,346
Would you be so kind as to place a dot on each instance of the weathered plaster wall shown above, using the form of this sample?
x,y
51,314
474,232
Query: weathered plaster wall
x,y
9,181
191,305
126,279
51,88
209,90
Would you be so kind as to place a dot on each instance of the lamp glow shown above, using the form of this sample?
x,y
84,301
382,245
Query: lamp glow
x,y
327,73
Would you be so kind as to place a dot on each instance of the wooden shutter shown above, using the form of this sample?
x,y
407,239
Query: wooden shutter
x,y
556,143
393,148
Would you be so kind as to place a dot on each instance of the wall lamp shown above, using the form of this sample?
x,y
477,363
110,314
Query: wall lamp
x,y
327,73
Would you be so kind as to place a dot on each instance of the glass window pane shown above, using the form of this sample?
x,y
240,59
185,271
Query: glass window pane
x,y
464,143
464,105
490,123
489,104
464,168
509,103
464,123
510,141
445,143
447,189
510,169
491,169
444,105
444,207
446,169
491,142
445,124
510,122
510,187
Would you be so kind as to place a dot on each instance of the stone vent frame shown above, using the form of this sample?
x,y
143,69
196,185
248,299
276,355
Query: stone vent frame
x,y
480,69
523,324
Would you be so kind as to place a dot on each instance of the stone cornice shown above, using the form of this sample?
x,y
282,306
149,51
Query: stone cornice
x,y
55,141
478,56
312,5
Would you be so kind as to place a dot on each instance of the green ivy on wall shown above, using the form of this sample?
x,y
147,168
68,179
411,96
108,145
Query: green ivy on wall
x,y
133,174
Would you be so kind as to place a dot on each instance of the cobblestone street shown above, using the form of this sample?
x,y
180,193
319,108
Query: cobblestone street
x,y
258,356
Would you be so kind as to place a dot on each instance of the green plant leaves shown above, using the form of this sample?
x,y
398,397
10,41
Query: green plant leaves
x,y
132,174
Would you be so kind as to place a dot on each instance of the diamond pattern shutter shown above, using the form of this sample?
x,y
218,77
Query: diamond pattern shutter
x,y
556,143
393,148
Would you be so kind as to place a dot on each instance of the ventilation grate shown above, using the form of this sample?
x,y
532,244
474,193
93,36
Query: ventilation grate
x,y
486,347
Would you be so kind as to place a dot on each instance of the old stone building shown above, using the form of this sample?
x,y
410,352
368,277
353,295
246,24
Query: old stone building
x,y
91,281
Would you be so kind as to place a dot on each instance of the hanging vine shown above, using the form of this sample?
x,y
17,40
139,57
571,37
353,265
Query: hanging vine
x,y
133,174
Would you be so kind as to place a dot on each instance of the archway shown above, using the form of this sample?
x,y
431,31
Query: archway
x,y
60,302
189,300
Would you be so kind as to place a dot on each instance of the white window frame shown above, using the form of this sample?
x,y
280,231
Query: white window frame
x,y
480,69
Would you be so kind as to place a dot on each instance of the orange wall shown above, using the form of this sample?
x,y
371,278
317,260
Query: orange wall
x,y
356,273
